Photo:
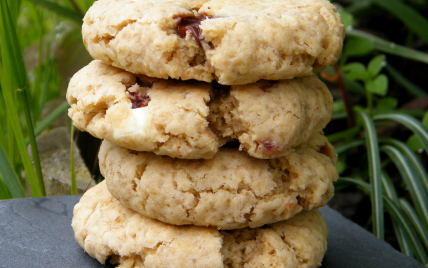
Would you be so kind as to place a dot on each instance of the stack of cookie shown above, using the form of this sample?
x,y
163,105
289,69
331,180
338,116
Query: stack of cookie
x,y
213,152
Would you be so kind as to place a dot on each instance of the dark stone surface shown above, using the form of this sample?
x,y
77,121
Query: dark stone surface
x,y
36,232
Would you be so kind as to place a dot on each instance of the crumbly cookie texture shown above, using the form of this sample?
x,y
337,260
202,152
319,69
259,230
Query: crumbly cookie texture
x,y
232,190
191,120
108,231
234,42
270,118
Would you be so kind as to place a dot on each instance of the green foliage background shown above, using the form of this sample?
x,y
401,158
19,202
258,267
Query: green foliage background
x,y
41,48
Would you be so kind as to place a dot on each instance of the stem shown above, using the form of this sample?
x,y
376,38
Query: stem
x,y
345,97
76,7
34,150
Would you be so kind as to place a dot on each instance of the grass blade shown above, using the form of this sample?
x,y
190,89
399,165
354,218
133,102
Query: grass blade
x,y
413,160
73,171
374,173
4,193
408,121
406,84
412,180
10,180
410,17
62,108
411,214
399,218
389,47
60,10
13,77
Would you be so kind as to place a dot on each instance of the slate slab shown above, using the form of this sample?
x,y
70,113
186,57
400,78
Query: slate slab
x,y
36,232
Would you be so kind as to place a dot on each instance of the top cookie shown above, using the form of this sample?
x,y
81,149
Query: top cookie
x,y
234,42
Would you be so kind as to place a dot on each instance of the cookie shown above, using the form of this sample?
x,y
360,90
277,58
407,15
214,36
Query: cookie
x,y
108,231
231,190
190,119
233,42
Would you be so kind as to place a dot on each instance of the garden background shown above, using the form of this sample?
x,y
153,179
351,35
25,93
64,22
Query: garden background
x,y
379,125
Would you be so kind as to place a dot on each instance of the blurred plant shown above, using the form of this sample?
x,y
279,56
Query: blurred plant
x,y
34,37
371,119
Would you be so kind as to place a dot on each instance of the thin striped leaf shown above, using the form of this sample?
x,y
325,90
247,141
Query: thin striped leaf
x,y
410,17
412,180
399,218
411,214
10,180
402,238
404,82
388,187
343,134
403,242
348,146
389,47
60,10
412,159
374,173
408,121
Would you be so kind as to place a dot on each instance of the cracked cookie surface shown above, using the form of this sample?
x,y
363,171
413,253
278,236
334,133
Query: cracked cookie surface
x,y
233,42
108,231
190,119
232,190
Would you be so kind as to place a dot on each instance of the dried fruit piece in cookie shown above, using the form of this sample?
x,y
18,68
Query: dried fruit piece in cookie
x,y
232,190
234,42
107,230
191,120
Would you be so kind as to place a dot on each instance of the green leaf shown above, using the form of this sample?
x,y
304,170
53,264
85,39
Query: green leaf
x,y
7,174
60,10
412,180
386,104
399,218
404,243
355,71
374,174
13,77
376,65
358,47
412,159
411,214
378,86
388,47
415,144
347,18
408,121
409,16
388,187
4,192
348,145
